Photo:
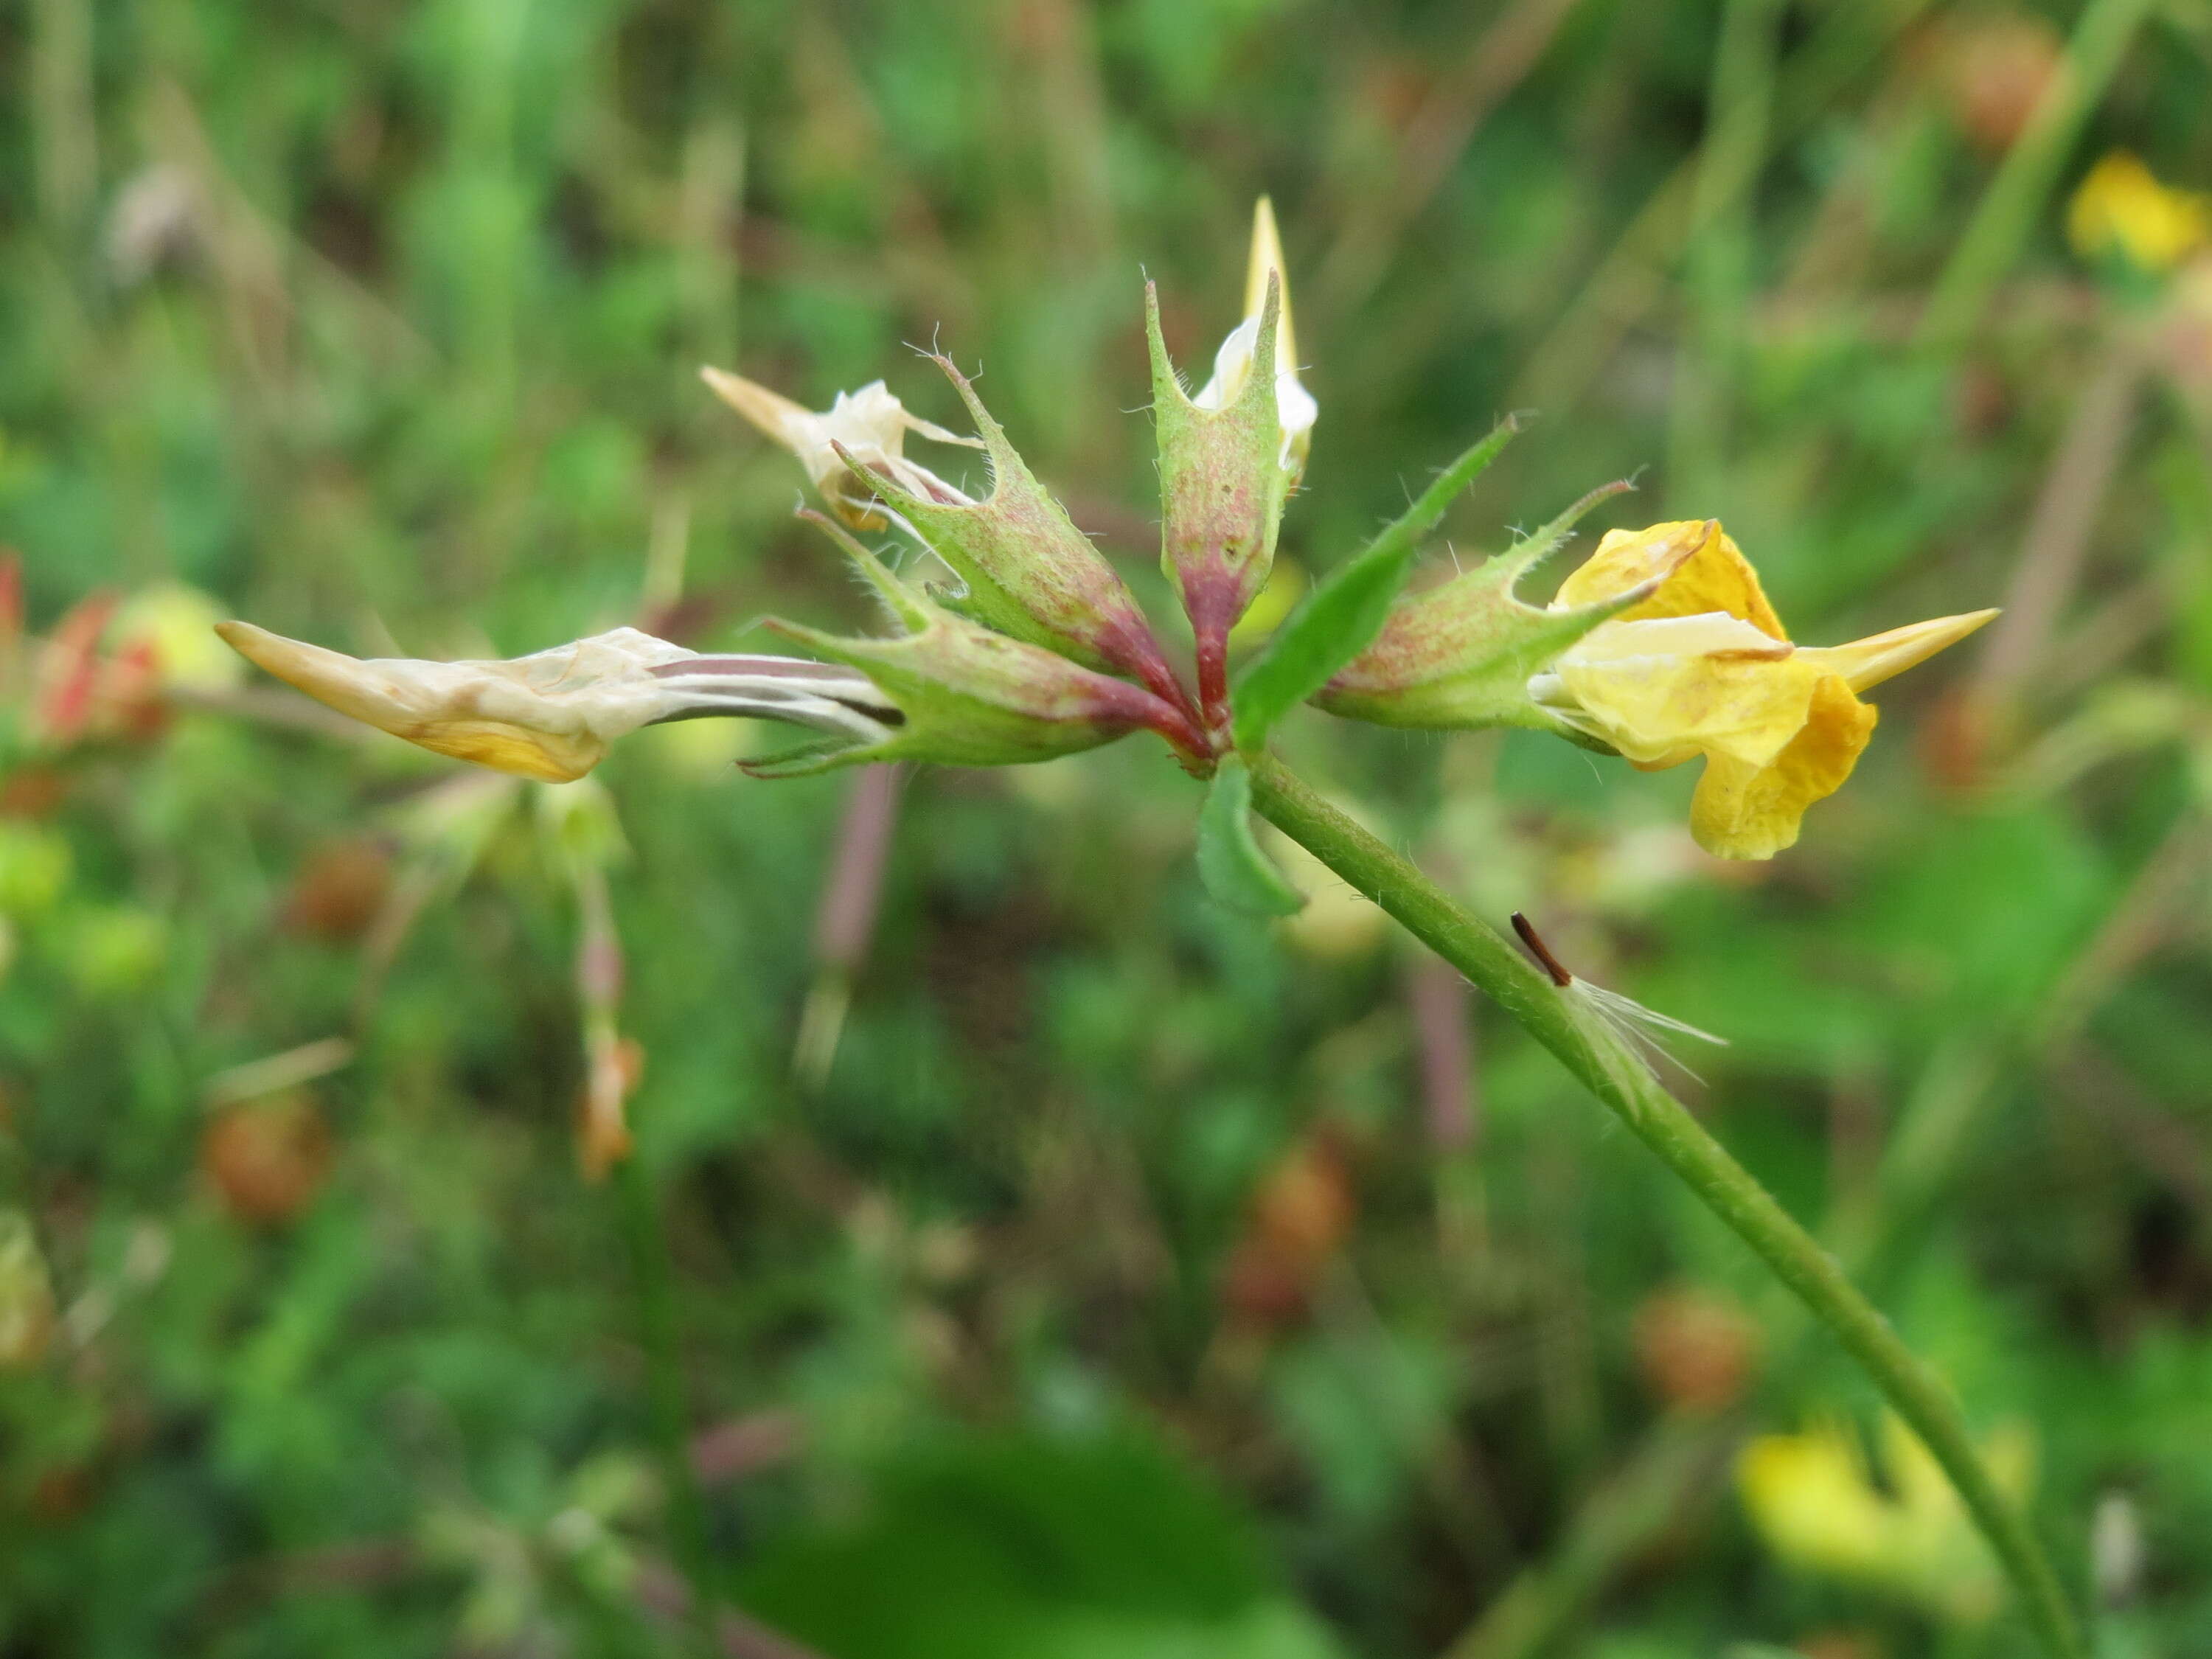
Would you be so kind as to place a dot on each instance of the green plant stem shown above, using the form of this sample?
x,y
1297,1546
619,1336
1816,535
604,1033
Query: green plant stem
x,y
1626,1085
648,1238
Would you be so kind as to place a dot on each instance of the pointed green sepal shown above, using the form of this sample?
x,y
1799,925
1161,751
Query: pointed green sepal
x,y
1462,654
1030,573
1222,480
1341,617
960,694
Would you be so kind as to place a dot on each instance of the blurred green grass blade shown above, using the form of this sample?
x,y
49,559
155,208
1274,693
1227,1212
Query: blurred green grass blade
x,y
1341,619
1230,862
2010,209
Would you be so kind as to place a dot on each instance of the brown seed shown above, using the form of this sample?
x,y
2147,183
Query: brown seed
x,y
268,1158
1997,71
1840,1645
1696,1348
340,887
1300,1218
1956,737
33,792
603,1134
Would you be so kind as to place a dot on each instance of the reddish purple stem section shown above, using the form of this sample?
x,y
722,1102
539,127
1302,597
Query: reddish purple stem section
x,y
1442,1004
846,919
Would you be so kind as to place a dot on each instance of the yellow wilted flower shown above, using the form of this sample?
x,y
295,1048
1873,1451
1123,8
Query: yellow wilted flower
x,y
2122,208
1703,667
1813,1499
551,715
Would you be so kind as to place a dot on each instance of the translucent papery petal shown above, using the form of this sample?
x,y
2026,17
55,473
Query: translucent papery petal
x,y
1707,633
869,426
1295,408
551,715
1716,577
1659,706
1745,809
1868,662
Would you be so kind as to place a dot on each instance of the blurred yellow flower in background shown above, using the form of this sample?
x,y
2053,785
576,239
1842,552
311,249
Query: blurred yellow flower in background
x,y
2122,208
1813,1500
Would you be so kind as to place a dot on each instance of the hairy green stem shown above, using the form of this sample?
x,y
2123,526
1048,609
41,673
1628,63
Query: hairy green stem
x,y
1624,1083
648,1238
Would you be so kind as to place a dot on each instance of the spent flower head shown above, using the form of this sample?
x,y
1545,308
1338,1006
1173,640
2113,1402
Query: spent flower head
x,y
845,448
551,715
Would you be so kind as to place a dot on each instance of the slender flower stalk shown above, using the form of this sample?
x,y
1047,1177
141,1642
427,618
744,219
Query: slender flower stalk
x,y
1605,1064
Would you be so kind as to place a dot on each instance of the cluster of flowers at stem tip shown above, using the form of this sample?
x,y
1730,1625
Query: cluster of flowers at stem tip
x,y
1013,639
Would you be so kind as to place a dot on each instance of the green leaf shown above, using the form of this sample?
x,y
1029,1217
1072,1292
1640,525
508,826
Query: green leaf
x,y
1334,624
1341,619
1230,861
1099,1546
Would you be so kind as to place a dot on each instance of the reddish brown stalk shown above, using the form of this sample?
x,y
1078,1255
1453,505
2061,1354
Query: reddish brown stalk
x,y
1440,999
1541,951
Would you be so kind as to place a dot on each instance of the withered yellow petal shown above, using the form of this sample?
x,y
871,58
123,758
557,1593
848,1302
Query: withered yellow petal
x,y
865,428
1745,810
510,716
1868,662
776,416
1715,576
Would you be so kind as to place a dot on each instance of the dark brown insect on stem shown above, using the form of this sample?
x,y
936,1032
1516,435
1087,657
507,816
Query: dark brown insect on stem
x,y
1541,951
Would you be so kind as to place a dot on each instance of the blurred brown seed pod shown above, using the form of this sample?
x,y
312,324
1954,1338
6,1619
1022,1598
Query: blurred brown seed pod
x,y
1696,1348
268,1158
338,890
1995,70
1300,1217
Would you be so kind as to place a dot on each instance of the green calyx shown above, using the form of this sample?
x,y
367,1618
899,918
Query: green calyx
x,y
1221,480
1460,655
958,694
1030,573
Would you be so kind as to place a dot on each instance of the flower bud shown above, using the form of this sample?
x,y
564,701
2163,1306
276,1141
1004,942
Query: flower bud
x,y
1229,457
551,715
1029,571
957,694
1222,484
1295,408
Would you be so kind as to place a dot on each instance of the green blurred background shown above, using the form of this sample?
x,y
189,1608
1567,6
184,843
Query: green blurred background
x,y
1064,1268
